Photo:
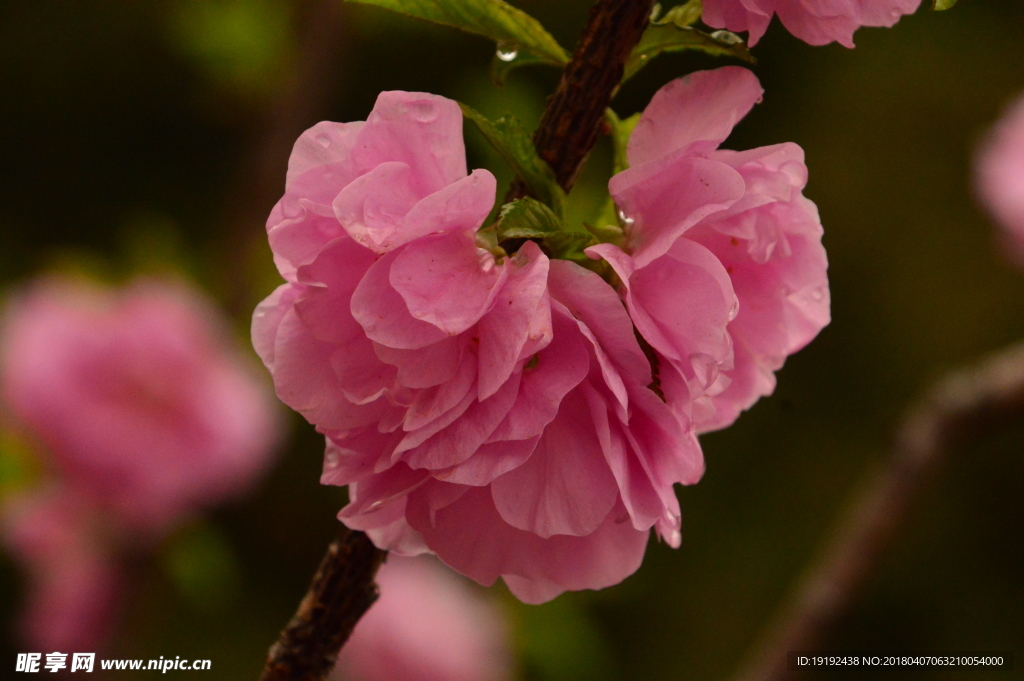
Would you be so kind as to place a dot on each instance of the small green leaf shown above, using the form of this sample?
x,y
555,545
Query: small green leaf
x,y
569,245
510,139
683,15
526,218
517,34
940,5
674,33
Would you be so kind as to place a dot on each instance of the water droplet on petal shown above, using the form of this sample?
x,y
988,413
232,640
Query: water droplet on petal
x,y
507,51
374,506
424,111
727,37
323,140
818,293
759,100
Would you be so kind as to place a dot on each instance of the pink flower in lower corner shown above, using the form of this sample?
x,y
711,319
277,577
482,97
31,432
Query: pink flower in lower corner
x,y
73,579
427,625
496,414
723,270
144,415
999,174
817,22
136,396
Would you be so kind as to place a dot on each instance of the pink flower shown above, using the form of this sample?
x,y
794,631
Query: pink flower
x,y
494,413
723,270
999,174
136,398
73,579
145,416
426,626
817,22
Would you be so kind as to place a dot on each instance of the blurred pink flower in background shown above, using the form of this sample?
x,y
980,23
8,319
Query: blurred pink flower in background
x,y
999,175
733,231
494,413
817,22
143,413
73,578
427,625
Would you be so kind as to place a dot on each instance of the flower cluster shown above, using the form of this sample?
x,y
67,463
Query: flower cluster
x,y
143,416
511,414
817,22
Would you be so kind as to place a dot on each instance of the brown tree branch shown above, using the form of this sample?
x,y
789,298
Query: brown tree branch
x,y
961,406
573,117
341,592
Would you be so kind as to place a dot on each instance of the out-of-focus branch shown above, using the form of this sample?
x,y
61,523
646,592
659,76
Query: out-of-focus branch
x,y
961,406
302,102
342,591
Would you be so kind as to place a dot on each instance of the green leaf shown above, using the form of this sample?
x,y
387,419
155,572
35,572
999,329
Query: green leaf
x,y
526,218
510,139
683,15
569,246
674,33
512,29
940,5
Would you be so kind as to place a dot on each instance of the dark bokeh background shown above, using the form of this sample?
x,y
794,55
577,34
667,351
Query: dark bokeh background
x,y
152,135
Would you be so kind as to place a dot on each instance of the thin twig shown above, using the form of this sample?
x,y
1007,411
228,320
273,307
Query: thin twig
x,y
341,592
964,404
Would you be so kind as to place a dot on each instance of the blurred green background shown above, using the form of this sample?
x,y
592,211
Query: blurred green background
x,y
141,136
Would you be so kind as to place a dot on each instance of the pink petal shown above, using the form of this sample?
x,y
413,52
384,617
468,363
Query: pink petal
x,y
266,319
383,313
471,536
701,107
424,367
565,487
462,438
447,281
324,144
431,404
667,196
490,460
634,483
459,207
558,369
306,382
423,131
520,311
372,207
